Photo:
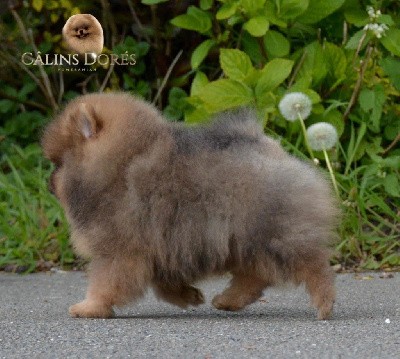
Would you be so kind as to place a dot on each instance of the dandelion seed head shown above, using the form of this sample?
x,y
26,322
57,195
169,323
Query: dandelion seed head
x,y
322,136
294,105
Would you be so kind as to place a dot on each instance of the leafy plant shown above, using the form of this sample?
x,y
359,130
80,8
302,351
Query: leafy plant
x,y
196,58
269,48
33,231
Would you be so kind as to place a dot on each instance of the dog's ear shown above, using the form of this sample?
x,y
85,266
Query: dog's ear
x,y
87,120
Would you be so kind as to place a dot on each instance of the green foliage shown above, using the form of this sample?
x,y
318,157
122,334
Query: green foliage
x,y
235,53
32,226
271,48
195,19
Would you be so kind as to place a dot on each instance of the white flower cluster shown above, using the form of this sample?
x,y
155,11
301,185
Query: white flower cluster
x,y
377,29
373,15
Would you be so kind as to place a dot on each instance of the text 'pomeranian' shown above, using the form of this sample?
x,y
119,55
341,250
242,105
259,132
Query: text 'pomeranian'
x,y
160,204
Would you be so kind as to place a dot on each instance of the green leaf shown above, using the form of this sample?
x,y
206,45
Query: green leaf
x,y
391,41
235,64
176,104
391,66
225,94
257,26
276,45
199,81
273,74
152,2
37,5
386,19
251,47
356,39
367,99
75,11
66,4
392,185
272,16
142,48
318,10
392,130
252,77
314,96
200,53
391,161
6,105
197,115
356,17
290,9
54,18
206,4
336,61
172,113
195,19
314,65
26,90
227,10
252,7
175,96
266,102
371,102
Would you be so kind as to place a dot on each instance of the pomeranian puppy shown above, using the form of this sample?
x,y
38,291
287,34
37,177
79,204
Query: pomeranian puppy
x,y
83,34
161,204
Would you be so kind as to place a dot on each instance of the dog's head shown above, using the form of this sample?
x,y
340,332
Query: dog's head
x,y
83,33
95,133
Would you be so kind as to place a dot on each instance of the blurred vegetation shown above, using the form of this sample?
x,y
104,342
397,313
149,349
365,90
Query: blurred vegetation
x,y
196,58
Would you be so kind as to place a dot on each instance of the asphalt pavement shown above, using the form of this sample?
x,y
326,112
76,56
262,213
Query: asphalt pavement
x,y
34,323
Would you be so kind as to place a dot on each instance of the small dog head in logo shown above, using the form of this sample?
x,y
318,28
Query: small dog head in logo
x,y
83,34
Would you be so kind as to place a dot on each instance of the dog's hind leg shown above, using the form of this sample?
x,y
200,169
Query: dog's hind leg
x,y
180,294
244,289
319,279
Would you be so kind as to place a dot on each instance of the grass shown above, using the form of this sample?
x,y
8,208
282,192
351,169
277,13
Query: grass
x,y
370,227
34,232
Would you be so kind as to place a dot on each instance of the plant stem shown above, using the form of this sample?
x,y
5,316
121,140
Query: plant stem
x,y
104,84
303,127
328,163
167,75
45,78
356,91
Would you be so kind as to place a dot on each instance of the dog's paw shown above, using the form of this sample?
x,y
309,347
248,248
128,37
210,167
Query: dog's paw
x,y
193,296
222,302
90,309
325,311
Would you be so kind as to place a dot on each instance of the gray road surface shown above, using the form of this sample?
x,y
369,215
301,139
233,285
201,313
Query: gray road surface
x,y
34,323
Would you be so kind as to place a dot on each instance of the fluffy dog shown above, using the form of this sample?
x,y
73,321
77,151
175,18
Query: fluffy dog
x,y
83,34
160,204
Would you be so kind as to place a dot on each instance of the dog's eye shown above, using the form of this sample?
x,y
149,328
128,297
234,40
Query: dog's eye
x,y
86,28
